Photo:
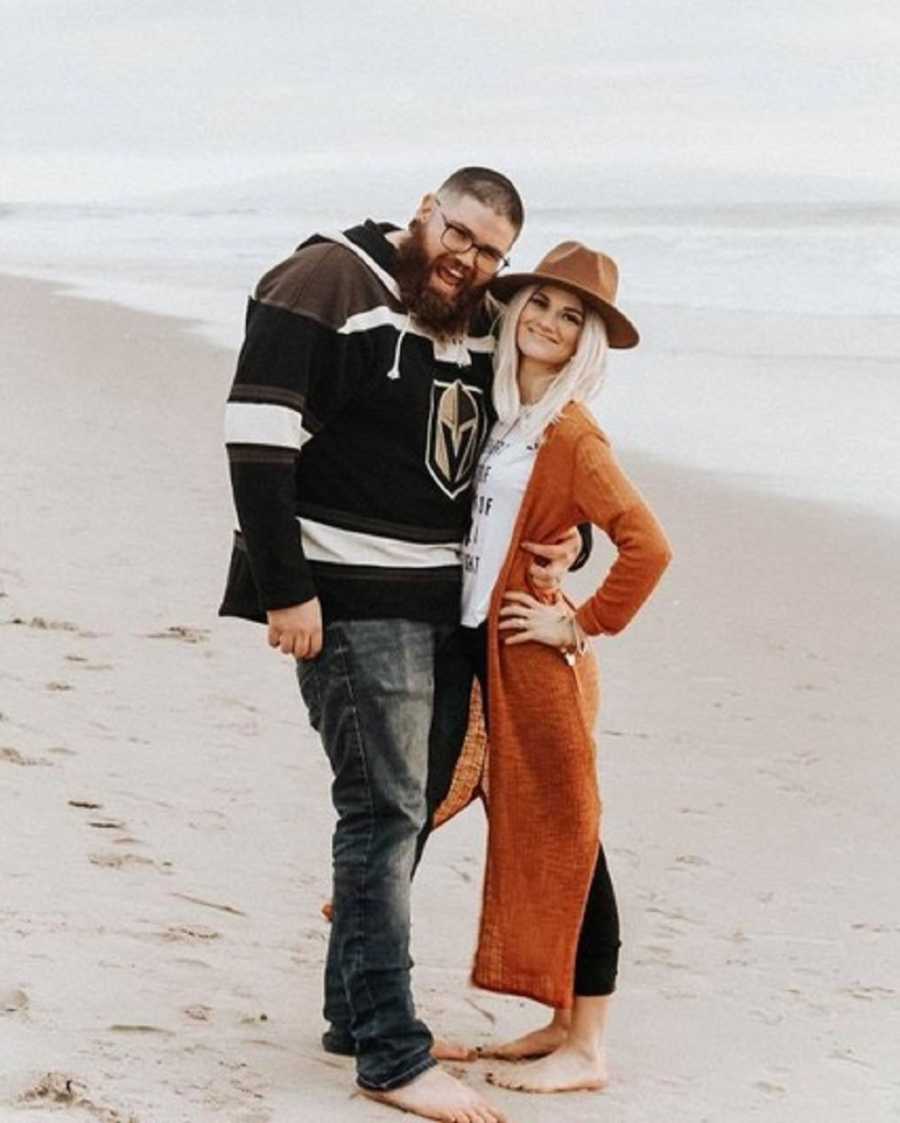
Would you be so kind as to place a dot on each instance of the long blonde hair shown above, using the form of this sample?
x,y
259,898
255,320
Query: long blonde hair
x,y
579,380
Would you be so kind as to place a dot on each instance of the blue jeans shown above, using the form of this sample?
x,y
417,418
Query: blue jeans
x,y
370,696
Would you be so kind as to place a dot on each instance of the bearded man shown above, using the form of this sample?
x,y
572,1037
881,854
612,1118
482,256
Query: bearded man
x,y
361,400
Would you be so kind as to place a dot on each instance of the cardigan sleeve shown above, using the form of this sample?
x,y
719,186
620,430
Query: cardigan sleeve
x,y
606,497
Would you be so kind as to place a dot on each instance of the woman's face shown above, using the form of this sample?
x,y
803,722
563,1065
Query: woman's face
x,y
550,326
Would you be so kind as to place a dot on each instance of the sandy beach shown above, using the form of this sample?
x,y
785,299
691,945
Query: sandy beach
x,y
165,838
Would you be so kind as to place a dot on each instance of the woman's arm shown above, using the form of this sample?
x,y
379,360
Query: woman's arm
x,y
607,498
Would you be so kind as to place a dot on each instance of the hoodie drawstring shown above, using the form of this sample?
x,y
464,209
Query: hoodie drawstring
x,y
454,351
394,372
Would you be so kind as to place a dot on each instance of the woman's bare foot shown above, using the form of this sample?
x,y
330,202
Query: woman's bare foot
x,y
438,1095
568,1069
538,1043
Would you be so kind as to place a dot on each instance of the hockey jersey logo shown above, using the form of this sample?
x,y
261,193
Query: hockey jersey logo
x,y
455,429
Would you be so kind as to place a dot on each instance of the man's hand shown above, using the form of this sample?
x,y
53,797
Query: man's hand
x,y
553,560
297,630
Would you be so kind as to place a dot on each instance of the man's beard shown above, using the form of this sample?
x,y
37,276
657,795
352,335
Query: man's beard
x,y
446,318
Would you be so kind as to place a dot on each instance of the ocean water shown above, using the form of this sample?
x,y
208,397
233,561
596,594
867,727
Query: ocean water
x,y
771,333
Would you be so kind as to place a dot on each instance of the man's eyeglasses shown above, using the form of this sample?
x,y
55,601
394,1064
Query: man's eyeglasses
x,y
458,239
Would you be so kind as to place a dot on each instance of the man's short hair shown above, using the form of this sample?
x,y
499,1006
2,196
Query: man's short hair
x,y
488,187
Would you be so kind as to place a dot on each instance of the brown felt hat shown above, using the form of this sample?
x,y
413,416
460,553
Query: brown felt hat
x,y
591,274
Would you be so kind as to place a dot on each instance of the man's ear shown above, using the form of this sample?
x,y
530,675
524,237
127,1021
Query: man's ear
x,y
426,207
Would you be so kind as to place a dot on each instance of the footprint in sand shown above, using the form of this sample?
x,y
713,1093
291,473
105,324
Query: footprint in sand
x,y
112,825
868,994
687,863
86,665
41,623
181,632
198,1012
60,1089
189,933
13,1002
119,861
56,1087
13,756
254,1019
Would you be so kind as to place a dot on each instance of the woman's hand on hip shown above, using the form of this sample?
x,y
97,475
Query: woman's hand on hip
x,y
533,622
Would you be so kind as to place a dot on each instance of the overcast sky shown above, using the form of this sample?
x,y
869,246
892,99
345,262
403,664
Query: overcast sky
x,y
199,90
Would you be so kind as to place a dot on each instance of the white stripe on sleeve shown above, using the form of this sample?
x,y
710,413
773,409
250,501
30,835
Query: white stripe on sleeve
x,y
257,423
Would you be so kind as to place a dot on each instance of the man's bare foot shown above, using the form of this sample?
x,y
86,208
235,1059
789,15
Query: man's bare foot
x,y
568,1069
443,1050
538,1043
438,1095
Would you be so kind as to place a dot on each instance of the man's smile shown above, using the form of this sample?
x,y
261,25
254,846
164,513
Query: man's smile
x,y
451,274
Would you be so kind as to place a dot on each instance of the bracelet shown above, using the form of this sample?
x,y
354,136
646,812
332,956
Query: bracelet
x,y
578,644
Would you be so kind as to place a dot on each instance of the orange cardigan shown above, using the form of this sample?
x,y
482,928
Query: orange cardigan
x,y
537,773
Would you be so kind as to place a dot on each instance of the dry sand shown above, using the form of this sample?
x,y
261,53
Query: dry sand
x,y
165,819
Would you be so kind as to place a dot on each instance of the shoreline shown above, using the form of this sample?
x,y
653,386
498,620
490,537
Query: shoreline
x,y
163,948
731,339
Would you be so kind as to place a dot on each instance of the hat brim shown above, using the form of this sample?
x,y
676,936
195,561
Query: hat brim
x,y
620,331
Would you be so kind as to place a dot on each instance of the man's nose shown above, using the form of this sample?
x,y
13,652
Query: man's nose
x,y
467,257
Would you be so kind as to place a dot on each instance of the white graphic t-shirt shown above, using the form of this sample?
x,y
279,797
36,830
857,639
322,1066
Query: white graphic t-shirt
x,y
501,478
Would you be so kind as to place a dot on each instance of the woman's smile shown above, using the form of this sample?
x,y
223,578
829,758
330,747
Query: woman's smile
x,y
550,326
547,337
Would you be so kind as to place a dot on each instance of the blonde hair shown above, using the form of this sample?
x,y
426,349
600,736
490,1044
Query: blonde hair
x,y
579,380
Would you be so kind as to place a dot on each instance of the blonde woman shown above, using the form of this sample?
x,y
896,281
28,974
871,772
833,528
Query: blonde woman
x,y
549,929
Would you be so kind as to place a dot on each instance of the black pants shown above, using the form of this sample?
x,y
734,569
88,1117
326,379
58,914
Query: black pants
x,y
597,960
